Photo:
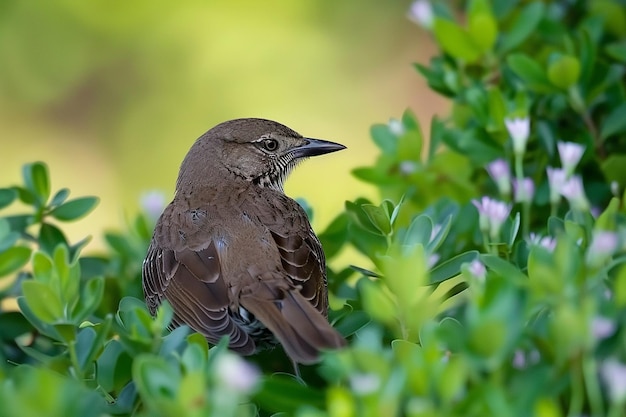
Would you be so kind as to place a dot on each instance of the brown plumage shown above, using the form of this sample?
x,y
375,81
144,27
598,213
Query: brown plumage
x,y
233,254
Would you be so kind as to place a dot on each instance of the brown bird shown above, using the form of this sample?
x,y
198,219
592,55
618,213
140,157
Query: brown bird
x,y
235,256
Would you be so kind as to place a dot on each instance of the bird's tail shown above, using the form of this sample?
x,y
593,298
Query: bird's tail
x,y
301,329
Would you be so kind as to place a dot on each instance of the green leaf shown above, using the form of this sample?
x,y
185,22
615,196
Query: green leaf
x,y
523,26
384,138
455,41
37,181
503,268
564,71
60,197
280,393
352,322
613,168
42,326
451,267
20,222
50,237
615,122
378,218
43,301
7,237
497,108
25,196
43,269
483,30
419,231
74,209
376,302
7,196
90,298
13,259
529,71
13,325
617,51
158,382
111,365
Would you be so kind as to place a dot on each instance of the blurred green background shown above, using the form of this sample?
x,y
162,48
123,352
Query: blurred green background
x,y
112,93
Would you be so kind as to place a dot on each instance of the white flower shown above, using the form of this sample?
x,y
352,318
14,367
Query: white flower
x,y
407,167
364,383
570,154
615,188
574,192
433,259
421,12
519,130
501,174
524,190
153,203
235,374
396,127
614,374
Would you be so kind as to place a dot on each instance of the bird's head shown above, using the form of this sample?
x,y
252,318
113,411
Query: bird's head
x,y
256,150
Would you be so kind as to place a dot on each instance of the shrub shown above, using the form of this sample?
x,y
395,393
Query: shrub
x,y
496,284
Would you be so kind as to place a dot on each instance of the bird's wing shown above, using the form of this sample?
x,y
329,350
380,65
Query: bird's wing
x,y
300,250
191,280
292,303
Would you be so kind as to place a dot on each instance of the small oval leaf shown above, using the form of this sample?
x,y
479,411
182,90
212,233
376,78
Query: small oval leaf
x,y
74,209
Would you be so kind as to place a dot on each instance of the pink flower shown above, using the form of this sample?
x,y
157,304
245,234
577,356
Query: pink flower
x,y
570,154
478,270
556,179
547,242
524,190
519,130
235,374
492,214
501,174
603,245
421,12
574,192
614,374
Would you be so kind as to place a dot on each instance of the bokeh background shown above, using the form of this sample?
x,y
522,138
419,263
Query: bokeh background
x,y
112,93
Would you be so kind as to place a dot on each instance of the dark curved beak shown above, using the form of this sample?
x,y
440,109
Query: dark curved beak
x,y
314,147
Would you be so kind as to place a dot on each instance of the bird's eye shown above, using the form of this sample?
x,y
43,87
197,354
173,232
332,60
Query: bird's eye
x,y
270,144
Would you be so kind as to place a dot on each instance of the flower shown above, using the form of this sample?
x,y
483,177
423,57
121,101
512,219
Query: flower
x,y
153,203
574,191
603,245
500,172
407,167
237,375
492,214
547,242
524,190
570,154
396,127
601,327
556,178
614,374
615,188
478,270
519,130
364,383
421,12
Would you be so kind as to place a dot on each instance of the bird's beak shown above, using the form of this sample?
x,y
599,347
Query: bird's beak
x,y
314,147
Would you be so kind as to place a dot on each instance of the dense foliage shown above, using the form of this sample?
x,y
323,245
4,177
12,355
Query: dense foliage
x,y
497,286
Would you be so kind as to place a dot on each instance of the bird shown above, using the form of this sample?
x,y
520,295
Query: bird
x,y
233,255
